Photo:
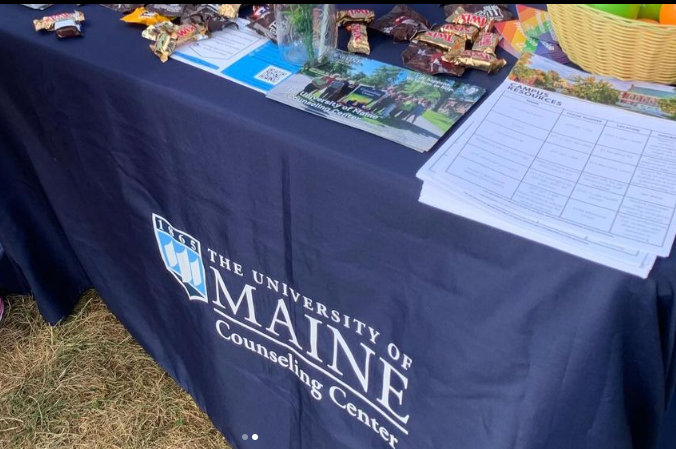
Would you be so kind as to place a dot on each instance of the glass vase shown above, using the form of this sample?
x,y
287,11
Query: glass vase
x,y
305,33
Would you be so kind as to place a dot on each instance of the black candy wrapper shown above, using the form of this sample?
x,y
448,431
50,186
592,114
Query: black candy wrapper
x,y
402,23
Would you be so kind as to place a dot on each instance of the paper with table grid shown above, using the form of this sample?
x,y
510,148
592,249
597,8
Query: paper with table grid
x,y
574,170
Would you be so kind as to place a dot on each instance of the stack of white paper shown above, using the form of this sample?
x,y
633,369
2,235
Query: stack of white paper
x,y
592,180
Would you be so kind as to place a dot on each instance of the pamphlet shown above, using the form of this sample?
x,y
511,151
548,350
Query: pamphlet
x,y
240,55
397,104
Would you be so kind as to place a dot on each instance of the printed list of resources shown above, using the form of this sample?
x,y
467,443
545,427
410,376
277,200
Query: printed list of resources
x,y
607,176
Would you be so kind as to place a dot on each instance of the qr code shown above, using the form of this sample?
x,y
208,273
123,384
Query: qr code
x,y
272,75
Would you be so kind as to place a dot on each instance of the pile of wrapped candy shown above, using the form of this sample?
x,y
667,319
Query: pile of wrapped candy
x,y
465,41
195,22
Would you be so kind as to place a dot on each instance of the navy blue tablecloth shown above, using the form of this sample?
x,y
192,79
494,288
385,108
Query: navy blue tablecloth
x,y
11,279
280,267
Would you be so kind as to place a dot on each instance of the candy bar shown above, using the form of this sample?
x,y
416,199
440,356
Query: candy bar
x,y
461,17
359,42
486,43
229,11
354,15
67,28
467,32
263,22
47,22
170,10
154,31
166,43
448,42
499,12
207,15
258,10
402,23
428,59
477,60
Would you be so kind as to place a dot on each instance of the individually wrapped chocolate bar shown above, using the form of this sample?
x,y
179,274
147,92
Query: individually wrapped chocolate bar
x,y
467,32
123,8
258,10
499,12
450,43
207,15
229,11
154,31
486,43
359,41
144,17
402,23
478,60
354,15
262,21
461,17
164,46
67,28
167,10
356,22
47,22
428,59
189,33
166,43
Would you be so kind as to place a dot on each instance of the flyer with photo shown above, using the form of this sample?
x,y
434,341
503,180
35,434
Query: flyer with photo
x,y
397,104
654,99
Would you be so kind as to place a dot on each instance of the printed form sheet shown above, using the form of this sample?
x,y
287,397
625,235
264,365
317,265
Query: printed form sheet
x,y
435,195
595,172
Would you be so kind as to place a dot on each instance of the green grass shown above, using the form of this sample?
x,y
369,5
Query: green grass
x,y
442,121
87,384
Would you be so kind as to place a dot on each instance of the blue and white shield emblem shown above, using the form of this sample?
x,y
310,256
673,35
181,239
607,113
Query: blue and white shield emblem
x,y
182,256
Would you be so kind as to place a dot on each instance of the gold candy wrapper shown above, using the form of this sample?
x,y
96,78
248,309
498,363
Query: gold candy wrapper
x,y
462,17
186,33
47,22
229,11
467,32
154,31
164,46
486,43
452,44
477,60
166,43
354,15
359,41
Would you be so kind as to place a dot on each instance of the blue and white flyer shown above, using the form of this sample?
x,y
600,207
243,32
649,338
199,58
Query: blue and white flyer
x,y
240,55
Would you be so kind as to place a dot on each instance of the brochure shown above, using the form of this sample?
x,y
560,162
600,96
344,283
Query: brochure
x,y
397,104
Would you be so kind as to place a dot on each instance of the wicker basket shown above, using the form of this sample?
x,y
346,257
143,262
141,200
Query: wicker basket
x,y
606,44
